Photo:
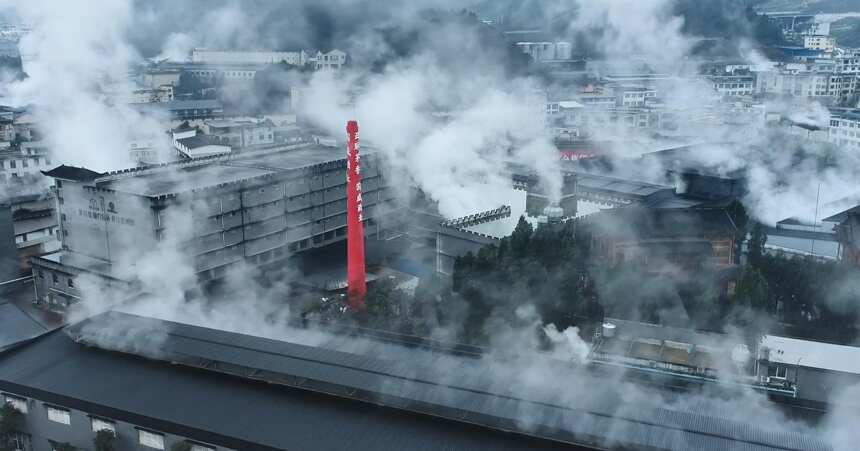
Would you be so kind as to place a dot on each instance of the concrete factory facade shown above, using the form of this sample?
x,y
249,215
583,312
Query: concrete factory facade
x,y
253,208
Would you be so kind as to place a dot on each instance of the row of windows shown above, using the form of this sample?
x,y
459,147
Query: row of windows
x,y
61,415
25,163
33,235
56,278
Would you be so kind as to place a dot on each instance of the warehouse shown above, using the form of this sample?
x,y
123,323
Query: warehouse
x,y
254,208
266,394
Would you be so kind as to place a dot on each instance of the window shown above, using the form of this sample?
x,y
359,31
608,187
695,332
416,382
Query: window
x,y
55,278
196,447
150,439
103,425
58,415
777,371
20,404
12,164
62,217
41,274
70,282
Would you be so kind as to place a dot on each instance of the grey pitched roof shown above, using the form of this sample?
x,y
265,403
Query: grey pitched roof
x,y
17,325
72,173
226,411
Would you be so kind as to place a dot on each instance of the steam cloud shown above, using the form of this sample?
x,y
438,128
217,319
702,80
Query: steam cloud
x,y
448,127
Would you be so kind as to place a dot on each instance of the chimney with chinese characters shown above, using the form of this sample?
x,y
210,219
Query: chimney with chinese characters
x,y
356,288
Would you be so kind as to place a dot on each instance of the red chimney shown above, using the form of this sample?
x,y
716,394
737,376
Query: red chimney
x,y
356,288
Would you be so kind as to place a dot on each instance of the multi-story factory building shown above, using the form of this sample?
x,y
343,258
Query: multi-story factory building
x,y
253,208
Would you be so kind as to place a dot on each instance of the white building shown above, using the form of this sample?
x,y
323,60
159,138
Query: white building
x,y
27,160
798,83
819,42
566,113
546,51
159,77
845,128
332,60
633,96
242,134
246,57
848,62
733,85
200,146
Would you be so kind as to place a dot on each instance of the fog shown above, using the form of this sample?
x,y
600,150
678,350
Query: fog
x,y
447,116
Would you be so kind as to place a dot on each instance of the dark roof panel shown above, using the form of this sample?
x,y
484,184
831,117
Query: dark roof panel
x,y
239,415
77,174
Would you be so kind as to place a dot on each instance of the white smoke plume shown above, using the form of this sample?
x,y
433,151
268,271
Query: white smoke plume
x,y
456,153
77,87
449,128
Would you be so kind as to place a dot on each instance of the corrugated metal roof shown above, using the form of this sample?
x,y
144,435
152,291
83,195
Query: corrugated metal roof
x,y
455,388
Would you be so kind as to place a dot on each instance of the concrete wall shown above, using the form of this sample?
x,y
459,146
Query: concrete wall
x,y
79,432
103,224
10,267
452,243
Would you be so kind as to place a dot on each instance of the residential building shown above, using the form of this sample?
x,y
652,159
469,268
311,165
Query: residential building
x,y
24,160
199,146
845,128
546,50
25,127
326,61
7,130
200,55
332,60
227,72
147,149
633,95
565,113
155,78
254,208
35,225
819,42
673,239
848,234
191,109
848,61
793,83
241,133
733,85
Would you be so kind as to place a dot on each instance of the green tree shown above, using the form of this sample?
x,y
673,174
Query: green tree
x,y
11,422
184,445
521,237
752,289
105,440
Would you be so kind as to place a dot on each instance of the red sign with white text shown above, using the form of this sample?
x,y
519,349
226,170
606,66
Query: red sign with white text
x,y
356,287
